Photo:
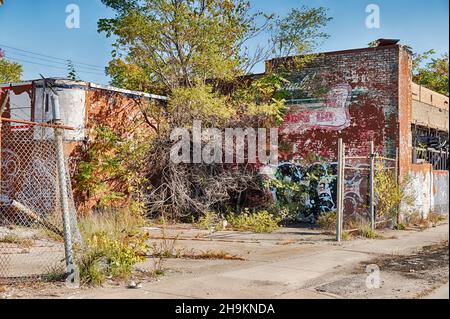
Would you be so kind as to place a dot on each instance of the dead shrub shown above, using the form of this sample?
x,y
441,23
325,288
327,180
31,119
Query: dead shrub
x,y
327,221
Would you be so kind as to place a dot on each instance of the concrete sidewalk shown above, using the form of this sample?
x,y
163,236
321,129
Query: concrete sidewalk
x,y
275,271
440,293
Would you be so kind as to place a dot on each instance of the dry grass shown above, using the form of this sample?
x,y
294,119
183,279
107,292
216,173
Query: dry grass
x,y
435,218
347,236
115,242
165,246
416,219
55,274
16,240
211,254
113,224
327,221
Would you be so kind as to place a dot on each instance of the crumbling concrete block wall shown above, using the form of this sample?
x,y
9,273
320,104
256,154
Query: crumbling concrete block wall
x,y
428,189
440,192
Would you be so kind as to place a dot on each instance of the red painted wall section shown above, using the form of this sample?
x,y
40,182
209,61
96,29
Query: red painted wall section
x,y
351,94
405,112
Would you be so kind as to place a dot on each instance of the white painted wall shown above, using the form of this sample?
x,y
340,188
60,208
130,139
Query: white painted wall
x,y
421,192
429,191
20,109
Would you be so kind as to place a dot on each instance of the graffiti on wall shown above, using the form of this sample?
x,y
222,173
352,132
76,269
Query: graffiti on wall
x,y
329,111
21,179
321,196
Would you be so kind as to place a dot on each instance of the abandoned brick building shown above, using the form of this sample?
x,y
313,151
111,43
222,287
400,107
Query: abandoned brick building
x,y
364,95
359,95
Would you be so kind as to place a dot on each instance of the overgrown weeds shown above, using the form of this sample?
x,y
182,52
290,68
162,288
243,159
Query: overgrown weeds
x,y
114,243
56,273
258,222
366,231
327,221
210,221
416,219
435,218
346,236
165,247
212,254
14,239
389,193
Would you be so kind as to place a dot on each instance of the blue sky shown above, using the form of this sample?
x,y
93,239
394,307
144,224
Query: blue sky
x,y
39,26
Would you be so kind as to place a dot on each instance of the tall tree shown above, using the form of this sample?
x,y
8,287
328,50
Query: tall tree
x,y
197,52
9,71
431,72
164,44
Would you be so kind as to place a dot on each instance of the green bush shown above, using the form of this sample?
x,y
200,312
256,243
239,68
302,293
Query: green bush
x,y
114,243
366,231
258,222
389,193
209,221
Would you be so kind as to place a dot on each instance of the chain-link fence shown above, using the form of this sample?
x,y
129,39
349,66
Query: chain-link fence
x,y
357,180
32,242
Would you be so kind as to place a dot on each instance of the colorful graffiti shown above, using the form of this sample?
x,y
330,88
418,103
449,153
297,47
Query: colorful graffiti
x,y
319,186
329,112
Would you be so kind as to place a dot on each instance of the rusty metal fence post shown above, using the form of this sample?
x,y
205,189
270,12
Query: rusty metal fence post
x,y
397,180
340,189
371,185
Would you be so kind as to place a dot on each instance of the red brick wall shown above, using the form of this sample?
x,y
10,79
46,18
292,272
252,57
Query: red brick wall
x,y
405,113
371,77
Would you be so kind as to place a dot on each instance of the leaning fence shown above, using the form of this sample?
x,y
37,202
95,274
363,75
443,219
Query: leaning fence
x,y
37,211
356,202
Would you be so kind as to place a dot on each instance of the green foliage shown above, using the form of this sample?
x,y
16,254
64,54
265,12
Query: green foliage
x,y
9,71
199,103
431,72
294,196
262,101
114,243
346,236
203,40
57,273
121,255
291,196
72,73
258,222
194,52
200,40
299,31
92,269
111,172
366,231
209,221
389,193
